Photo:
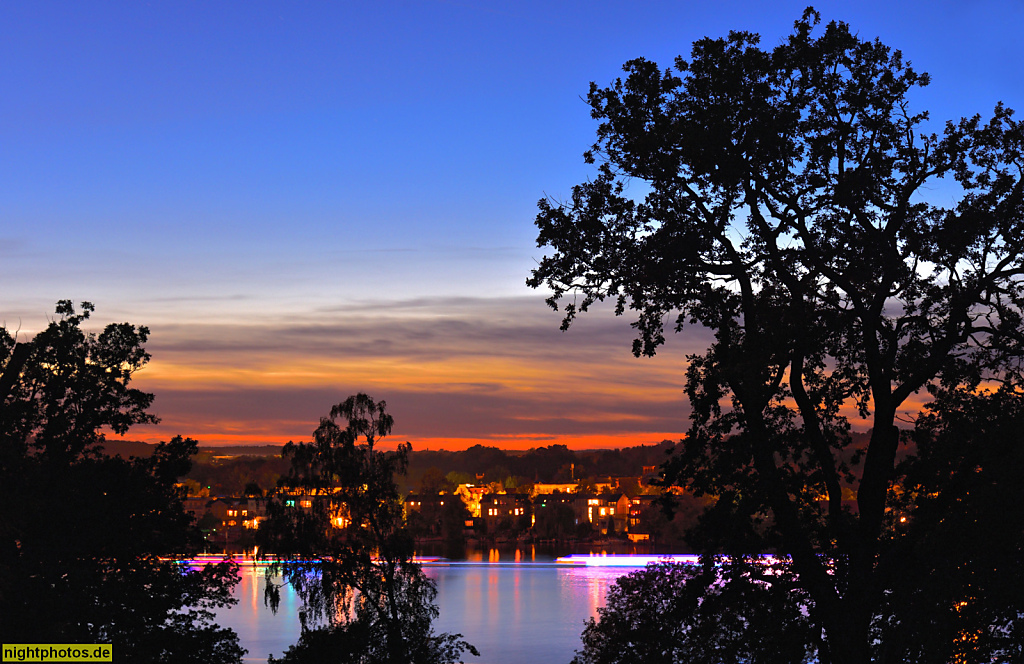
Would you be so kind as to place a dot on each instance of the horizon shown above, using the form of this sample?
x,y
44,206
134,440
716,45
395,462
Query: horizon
x,y
511,450
308,204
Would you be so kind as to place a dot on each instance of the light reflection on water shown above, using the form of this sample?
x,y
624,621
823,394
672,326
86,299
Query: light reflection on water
x,y
514,612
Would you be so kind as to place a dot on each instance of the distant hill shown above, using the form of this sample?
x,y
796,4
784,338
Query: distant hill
x,y
243,450
136,448
128,448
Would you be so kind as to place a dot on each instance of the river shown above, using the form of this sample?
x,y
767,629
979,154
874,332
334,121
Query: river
x,y
515,608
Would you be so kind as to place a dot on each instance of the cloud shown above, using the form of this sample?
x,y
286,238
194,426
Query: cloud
x,y
449,368
11,247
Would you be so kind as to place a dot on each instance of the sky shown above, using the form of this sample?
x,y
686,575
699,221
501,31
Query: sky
x,y
307,200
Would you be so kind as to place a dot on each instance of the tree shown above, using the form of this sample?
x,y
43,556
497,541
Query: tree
x,y
788,213
676,527
958,528
252,490
434,482
84,537
336,521
555,521
716,612
454,515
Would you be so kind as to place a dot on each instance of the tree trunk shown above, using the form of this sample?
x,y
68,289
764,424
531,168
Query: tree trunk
x,y
847,631
12,370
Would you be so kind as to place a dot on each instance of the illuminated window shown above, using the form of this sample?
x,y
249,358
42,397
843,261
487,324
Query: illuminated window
x,y
593,501
603,511
231,523
245,512
306,503
232,512
611,510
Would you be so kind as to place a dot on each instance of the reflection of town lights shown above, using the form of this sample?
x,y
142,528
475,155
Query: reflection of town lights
x,y
625,560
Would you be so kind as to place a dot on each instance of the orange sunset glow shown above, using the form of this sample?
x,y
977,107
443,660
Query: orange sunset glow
x,y
492,372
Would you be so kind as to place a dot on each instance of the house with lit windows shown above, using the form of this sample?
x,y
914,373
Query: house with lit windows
x,y
637,506
471,494
425,502
606,512
504,511
238,512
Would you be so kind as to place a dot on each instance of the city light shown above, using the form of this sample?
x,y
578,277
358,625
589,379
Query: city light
x,y
581,560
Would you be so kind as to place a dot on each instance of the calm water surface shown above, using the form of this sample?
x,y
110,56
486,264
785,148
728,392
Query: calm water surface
x,y
514,611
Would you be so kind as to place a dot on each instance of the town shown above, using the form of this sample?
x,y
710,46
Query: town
x,y
225,494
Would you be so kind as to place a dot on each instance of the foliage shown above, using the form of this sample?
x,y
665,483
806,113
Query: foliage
x,y
349,554
232,477
555,521
252,490
957,539
679,528
735,611
443,517
433,481
786,212
553,463
81,533
454,515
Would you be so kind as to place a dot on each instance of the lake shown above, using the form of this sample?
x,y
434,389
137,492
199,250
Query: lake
x,y
516,608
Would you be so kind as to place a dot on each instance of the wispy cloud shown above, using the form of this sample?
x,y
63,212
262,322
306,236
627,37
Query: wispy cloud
x,y
450,369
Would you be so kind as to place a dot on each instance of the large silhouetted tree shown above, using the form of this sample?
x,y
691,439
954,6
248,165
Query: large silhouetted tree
x,y
84,536
336,520
784,204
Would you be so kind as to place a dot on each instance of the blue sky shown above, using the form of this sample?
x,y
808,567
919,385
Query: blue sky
x,y
228,173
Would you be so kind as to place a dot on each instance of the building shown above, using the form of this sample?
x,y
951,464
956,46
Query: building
x,y
606,512
505,511
471,494
419,502
541,489
637,505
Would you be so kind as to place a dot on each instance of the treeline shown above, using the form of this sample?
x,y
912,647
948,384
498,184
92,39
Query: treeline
x,y
555,463
477,465
237,476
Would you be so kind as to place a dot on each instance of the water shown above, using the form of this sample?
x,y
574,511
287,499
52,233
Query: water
x,y
523,612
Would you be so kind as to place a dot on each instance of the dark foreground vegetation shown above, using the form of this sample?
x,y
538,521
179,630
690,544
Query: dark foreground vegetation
x,y
789,213
83,536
